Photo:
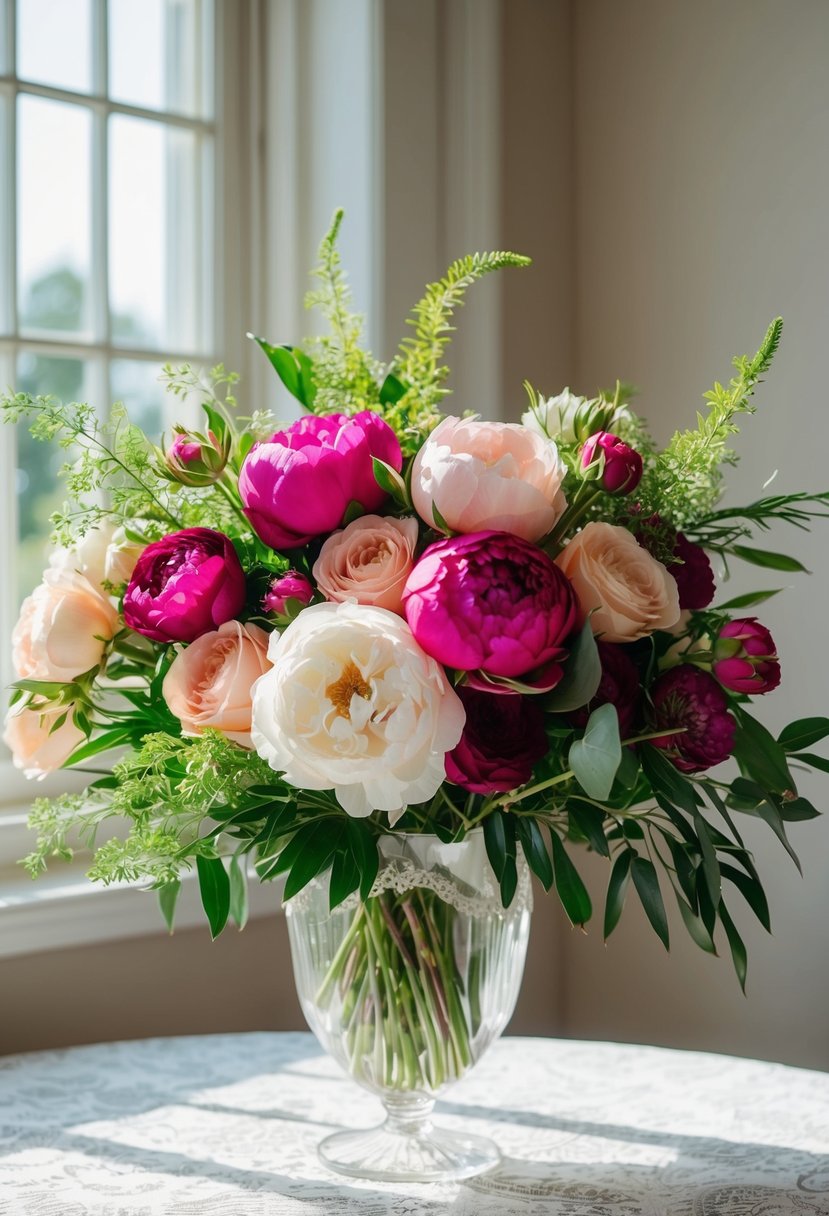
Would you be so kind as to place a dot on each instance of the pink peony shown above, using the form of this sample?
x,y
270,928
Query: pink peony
x,y
491,601
185,585
369,561
745,659
288,586
299,483
619,686
621,465
502,739
691,700
489,475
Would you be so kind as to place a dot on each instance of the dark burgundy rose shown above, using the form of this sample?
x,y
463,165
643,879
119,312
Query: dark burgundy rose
x,y
693,574
503,738
745,659
185,585
687,698
618,686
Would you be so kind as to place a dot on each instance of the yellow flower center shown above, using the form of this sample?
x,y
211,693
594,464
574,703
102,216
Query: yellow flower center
x,y
342,690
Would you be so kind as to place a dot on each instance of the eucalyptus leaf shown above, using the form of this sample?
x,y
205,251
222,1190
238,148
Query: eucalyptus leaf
x,y
596,757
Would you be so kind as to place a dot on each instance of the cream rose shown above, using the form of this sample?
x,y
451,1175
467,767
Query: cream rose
x,y
489,475
353,704
210,682
62,629
368,561
632,593
36,748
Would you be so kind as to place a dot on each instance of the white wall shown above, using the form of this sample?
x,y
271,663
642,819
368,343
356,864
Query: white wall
x,y
701,183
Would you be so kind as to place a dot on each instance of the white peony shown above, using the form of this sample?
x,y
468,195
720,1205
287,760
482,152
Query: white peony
x,y
353,704
555,417
103,554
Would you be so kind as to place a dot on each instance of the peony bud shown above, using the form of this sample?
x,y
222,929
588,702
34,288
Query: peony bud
x,y
744,657
286,587
193,459
618,467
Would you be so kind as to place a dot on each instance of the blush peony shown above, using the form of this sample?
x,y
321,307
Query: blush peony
x,y
489,475
63,628
628,592
353,704
491,601
210,682
369,561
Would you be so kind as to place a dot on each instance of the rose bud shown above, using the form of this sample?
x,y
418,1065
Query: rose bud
x,y
286,587
691,701
502,739
185,585
494,476
196,460
618,466
299,483
744,657
492,601
619,686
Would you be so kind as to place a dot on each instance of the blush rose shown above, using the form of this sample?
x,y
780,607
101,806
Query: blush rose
x,y
368,561
63,628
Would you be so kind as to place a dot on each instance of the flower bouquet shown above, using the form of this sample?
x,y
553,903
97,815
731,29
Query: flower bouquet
x,y
403,660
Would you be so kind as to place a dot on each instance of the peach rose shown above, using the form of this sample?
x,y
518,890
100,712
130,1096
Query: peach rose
x,y
489,475
62,629
632,593
209,683
35,747
368,561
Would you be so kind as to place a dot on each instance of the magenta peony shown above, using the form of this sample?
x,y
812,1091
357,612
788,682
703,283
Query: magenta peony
x,y
288,586
745,659
185,585
299,483
502,739
621,467
692,701
619,686
492,601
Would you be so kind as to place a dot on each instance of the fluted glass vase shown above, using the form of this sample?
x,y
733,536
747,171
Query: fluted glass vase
x,y
406,990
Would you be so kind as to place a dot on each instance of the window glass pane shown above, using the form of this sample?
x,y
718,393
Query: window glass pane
x,y
39,491
54,216
155,54
6,237
54,42
154,234
136,383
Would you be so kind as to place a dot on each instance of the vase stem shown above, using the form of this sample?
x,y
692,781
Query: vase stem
x,y
408,1114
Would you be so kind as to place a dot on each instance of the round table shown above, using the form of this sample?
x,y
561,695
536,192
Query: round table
x,y
227,1125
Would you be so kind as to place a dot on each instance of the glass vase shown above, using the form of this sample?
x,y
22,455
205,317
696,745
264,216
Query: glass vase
x,y
406,990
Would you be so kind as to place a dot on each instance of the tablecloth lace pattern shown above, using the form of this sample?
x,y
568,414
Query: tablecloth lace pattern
x,y
227,1126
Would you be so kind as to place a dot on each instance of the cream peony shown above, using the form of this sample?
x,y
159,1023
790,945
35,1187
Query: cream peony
x,y
489,475
62,629
632,593
35,746
210,682
555,417
368,561
353,704
88,555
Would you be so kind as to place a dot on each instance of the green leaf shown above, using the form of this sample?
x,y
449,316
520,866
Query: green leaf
x,y
809,758
354,510
752,892
595,758
535,851
167,900
440,523
770,561
647,888
582,674
117,736
238,890
392,389
667,780
345,877
803,733
363,844
686,874
590,821
214,886
294,369
710,864
795,810
616,891
695,926
390,482
317,844
495,840
748,600
737,946
569,886
759,755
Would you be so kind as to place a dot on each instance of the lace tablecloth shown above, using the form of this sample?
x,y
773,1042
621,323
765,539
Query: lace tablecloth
x,y
227,1126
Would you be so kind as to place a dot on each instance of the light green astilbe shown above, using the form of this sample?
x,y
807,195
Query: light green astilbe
x,y
684,482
